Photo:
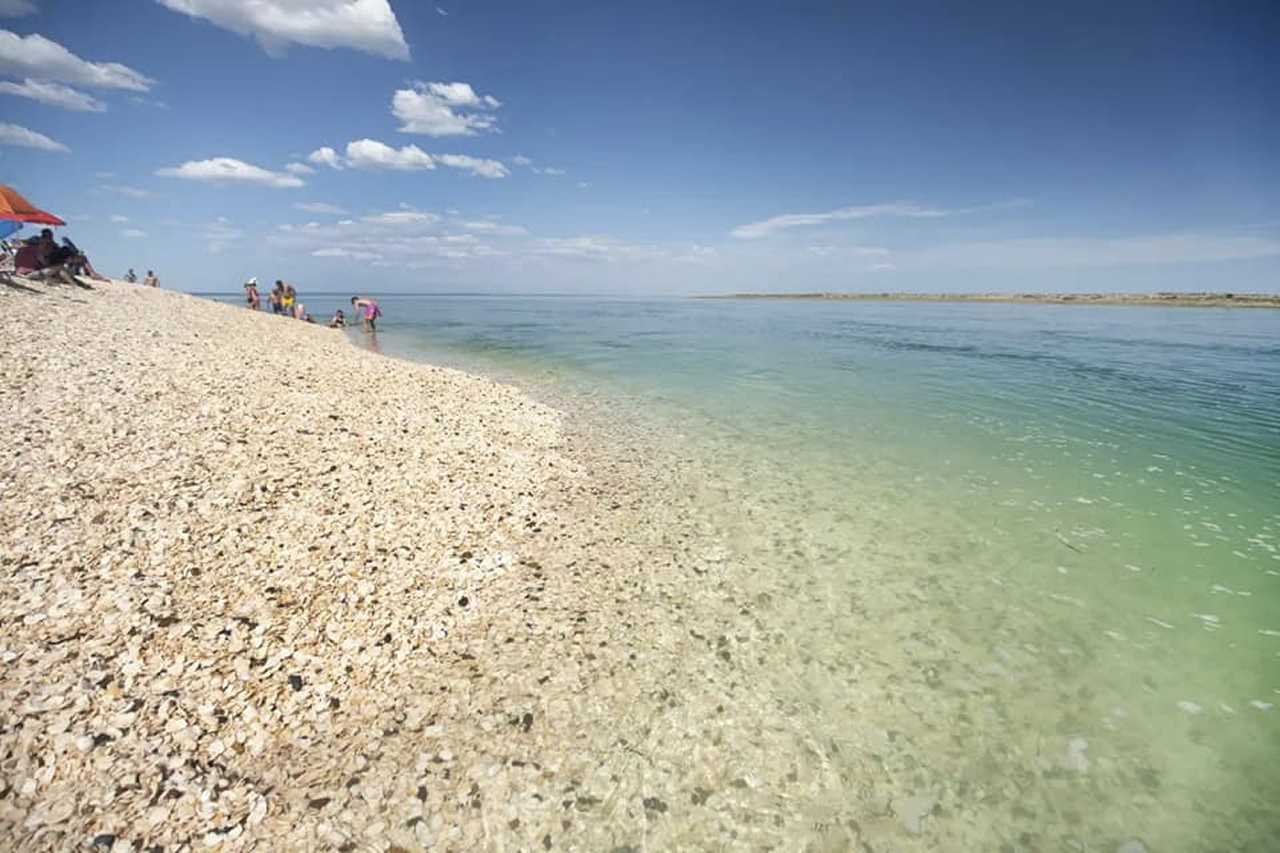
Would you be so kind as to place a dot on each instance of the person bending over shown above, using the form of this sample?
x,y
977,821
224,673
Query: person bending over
x,y
370,309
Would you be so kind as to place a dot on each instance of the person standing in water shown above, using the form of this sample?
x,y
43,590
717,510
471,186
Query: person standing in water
x,y
371,312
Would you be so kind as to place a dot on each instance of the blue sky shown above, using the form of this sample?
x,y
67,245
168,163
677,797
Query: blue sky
x,y
660,147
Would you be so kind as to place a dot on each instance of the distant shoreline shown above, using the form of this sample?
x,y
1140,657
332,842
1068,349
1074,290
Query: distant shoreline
x,y
1173,299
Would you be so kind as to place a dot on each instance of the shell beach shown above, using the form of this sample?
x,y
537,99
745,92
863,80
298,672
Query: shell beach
x,y
262,589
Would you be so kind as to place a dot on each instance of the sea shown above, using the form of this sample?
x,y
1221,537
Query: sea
x,y
1040,543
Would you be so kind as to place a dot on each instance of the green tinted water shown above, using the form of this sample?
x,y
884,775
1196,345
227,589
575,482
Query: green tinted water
x,y
1027,556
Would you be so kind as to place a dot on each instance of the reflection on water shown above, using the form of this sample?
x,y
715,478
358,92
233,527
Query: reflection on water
x,y
1027,557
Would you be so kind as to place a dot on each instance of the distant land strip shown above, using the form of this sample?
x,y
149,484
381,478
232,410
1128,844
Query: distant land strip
x,y
1169,298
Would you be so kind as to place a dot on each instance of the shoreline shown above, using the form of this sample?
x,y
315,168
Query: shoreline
x,y
1160,299
264,586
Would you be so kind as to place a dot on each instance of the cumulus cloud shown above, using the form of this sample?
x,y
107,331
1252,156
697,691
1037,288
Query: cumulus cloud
x,y
117,218
326,156
364,25
435,109
39,58
16,134
227,170
16,8
372,154
133,233
53,94
475,165
548,170
298,169
521,160
319,207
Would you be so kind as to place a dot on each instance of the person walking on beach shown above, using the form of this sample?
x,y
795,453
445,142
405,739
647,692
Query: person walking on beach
x,y
371,311
251,294
151,280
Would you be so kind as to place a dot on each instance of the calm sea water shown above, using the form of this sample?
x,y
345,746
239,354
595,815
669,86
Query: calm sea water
x,y
1041,541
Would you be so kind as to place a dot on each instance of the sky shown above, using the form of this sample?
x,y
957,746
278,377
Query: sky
x,y
664,148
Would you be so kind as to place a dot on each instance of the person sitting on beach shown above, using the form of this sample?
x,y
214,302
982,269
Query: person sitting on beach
x,y
65,261
151,280
371,312
131,276
299,311
251,294
339,320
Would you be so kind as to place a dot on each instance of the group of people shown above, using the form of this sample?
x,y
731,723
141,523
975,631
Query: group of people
x,y
283,299
45,256
150,281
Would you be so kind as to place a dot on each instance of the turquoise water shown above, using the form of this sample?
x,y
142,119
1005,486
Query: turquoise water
x,y
1043,542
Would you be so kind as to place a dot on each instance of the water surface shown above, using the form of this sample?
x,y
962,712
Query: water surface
x,y
1036,548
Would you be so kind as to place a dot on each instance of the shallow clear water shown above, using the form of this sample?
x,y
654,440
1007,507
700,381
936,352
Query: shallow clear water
x,y
1041,542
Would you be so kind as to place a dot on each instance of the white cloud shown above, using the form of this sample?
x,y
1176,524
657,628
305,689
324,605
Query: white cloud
x,y
133,233
53,94
883,266
582,185
227,170
339,252
298,169
486,227
766,227
521,160
432,109
16,8
365,25
16,134
131,192
402,217
117,218
326,156
475,165
319,207
372,154
38,57
442,12
549,170
611,249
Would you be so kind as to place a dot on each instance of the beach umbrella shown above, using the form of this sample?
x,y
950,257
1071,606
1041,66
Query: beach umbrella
x,y
15,208
7,227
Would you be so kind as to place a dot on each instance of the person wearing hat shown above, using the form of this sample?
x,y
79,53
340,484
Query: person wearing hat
x,y
251,294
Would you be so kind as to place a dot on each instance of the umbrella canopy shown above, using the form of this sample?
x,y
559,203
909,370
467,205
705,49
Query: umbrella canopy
x,y
15,208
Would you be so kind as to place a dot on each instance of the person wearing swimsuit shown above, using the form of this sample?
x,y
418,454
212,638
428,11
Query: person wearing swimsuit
x,y
371,312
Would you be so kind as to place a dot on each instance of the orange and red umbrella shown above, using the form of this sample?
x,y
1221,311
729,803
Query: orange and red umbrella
x,y
15,208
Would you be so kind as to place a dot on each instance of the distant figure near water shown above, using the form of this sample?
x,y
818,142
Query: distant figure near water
x,y
371,312
251,294
151,280
131,276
